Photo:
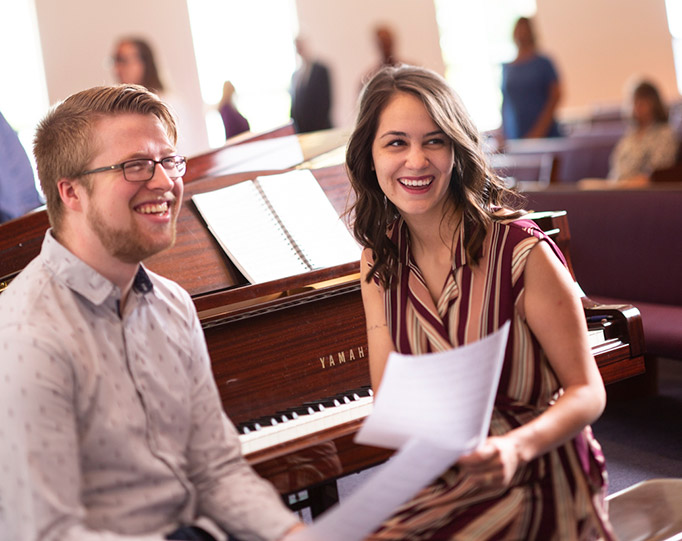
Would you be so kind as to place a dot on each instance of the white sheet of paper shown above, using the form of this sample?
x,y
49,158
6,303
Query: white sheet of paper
x,y
414,466
447,395
434,408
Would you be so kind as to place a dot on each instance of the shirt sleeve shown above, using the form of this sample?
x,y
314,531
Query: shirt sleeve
x,y
664,153
229,491
18,193
41,484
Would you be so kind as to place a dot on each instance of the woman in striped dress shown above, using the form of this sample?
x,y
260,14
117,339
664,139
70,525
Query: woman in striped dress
x,y
446,263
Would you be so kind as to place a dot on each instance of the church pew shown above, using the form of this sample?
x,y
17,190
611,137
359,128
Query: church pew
x,y
627,249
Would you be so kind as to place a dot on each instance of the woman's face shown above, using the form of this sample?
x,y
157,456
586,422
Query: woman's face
x,y
642,111
412,157
128,65
522,36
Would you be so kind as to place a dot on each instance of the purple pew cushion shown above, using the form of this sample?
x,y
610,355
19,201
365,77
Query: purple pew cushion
x,y
625,244
626,247
662,326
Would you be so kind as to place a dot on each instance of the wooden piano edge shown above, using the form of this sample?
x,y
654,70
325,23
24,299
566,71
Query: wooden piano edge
x,y
618,360
214,308
272,463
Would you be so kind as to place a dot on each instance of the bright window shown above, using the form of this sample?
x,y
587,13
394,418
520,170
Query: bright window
x,y
476,38
23,92
674,11
250,44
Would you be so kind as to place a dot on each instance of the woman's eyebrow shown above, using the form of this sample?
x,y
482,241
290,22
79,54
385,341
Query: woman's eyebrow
x,y
396,133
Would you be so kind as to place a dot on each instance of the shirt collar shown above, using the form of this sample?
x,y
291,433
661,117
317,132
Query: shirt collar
x,y
82,278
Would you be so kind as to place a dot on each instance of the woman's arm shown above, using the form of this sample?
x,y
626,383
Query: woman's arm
x,y
555,315
544,121
378,336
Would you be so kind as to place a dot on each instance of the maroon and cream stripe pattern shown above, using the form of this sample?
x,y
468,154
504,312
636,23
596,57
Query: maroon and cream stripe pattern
x,y
557,496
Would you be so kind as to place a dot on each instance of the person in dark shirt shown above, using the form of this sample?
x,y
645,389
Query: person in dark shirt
x,y
311,94
530,89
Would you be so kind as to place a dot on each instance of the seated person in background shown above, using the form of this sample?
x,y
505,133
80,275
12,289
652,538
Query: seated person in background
x,y
649,144
445,264
111,424
18,193
233,120
530,89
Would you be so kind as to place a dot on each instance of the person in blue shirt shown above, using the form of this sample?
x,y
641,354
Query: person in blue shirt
x,y
530,89
18,193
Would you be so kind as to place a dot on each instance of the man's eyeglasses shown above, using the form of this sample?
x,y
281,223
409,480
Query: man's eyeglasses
x,y
142,170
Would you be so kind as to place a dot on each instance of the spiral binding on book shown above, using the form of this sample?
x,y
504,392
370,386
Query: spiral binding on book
x,y
300,253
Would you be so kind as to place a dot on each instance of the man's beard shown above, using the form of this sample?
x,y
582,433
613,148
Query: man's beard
x,y
131,245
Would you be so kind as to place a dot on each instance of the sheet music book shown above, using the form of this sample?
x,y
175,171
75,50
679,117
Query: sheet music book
x,y
277,226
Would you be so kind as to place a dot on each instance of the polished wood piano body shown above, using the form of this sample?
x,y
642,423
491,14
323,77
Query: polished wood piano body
x,y
285,342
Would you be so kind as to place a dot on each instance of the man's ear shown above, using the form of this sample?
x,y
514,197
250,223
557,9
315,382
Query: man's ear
x,y
71,193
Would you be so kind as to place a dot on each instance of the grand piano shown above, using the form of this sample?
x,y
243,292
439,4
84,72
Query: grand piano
x,y
300,340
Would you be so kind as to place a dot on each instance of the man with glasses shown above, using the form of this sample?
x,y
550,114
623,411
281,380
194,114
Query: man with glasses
x,y
111,425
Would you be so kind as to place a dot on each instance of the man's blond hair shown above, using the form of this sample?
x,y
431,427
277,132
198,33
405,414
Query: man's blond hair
x,y
64,144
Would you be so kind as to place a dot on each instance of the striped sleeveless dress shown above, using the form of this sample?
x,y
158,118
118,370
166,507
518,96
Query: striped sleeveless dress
x,y
558,496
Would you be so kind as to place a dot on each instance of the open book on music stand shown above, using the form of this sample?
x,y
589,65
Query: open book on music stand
x,y
277,226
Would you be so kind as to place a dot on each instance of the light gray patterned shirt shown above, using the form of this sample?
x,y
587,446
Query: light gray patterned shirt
x,y
642,153
111,424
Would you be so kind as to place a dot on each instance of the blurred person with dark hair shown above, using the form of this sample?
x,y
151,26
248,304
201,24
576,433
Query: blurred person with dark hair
x,y
530,89
134,64
650,143
233,121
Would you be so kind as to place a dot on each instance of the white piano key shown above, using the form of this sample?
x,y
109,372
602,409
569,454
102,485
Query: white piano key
x,y
306,425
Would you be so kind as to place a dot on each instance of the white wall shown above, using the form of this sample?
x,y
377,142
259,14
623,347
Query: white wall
x,y
599,45
342,34
78,37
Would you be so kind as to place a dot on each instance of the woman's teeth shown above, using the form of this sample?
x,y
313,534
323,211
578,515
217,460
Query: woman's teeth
x,y
415,183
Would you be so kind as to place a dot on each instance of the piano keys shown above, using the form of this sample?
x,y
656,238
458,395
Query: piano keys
x,y
305,420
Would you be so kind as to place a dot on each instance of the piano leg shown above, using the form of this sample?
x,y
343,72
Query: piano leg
x,y
322,497
317,499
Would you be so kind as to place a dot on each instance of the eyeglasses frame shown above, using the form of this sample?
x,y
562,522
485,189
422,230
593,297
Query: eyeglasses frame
x,y
121,166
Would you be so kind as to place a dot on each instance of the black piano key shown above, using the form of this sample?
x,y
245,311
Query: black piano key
x,y
343,398
303,410
288,414
249,426
364,391
317,405
330,402
268,420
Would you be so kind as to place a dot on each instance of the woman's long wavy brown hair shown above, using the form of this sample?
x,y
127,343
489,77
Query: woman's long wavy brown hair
x,y
473,186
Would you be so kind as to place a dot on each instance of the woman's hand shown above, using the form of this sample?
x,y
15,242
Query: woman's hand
x,y
493,463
